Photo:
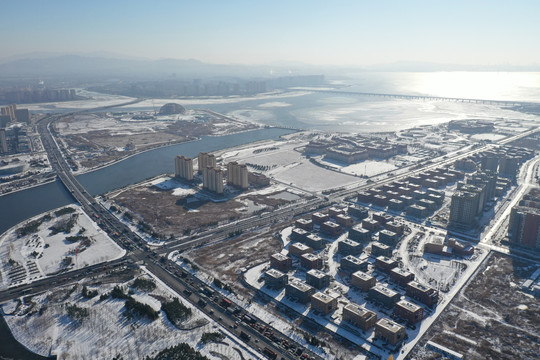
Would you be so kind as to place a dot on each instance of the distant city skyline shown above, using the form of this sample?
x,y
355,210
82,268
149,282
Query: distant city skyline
x,y
347,33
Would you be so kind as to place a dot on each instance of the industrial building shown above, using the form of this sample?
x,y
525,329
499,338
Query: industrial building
x,y
299,290
359,316
389,331
317,279
362,280
183,167
408,311
275,279
323,303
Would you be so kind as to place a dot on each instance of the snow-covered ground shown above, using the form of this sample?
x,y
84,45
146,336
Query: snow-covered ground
x,y
489,136
369,168
280,161
39,254
93,100
106,332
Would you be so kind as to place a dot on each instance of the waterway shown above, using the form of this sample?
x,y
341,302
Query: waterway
x,y
21,205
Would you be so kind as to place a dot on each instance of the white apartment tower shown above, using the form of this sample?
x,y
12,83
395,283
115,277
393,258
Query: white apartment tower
x,y
237,175
213,179
183,167
206,160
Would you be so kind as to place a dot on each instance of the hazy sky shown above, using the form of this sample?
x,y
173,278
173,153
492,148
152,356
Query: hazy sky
x,y
318,32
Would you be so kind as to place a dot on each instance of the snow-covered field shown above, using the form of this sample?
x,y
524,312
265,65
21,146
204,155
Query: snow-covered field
x,y
369,168
94,100
39,253
280,161
106,332
98,122
492,137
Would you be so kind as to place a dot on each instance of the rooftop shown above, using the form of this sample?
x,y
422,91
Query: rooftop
x,y
322,297
384,290
317,273
362,275
389,325
310,257
280,257
408,305
300,285
359,310
274,273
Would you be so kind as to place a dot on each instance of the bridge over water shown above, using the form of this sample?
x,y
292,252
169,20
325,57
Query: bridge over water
x,y
426,97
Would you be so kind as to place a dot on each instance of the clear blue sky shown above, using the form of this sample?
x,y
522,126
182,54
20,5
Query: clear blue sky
x,y
255,32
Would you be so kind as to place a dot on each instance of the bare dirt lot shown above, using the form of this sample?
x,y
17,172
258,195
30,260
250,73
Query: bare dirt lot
x,y
182,215
491,318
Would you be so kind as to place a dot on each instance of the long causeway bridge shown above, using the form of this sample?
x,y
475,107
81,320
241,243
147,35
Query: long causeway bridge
x,y
426,97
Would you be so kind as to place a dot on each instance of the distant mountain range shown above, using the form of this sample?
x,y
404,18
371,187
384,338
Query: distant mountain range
x,y
100,66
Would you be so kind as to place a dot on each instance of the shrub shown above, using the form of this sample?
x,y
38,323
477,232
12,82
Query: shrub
x,y
144,284
212,337
175,311
141,309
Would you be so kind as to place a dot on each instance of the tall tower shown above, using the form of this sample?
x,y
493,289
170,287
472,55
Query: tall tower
x,y
206,160
237,175
183,167
213,179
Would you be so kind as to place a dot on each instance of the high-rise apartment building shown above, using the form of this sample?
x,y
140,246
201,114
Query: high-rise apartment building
x,y
3,142
206,160
9,111
524,227
183,167
463,208
237,175
213,179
